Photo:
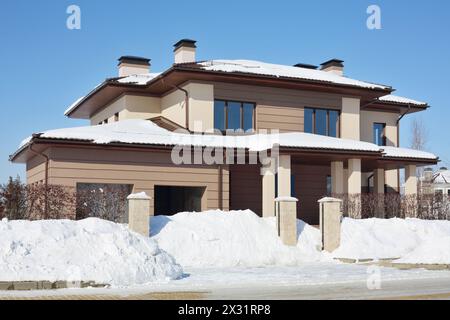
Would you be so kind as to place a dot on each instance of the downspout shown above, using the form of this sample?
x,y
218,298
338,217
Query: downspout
x,y
398,141
186,101
47,161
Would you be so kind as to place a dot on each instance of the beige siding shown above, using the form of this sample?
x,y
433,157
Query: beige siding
x,y
129,107
143,170
277,108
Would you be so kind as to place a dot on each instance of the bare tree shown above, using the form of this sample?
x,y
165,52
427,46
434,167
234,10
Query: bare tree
x,y
419,137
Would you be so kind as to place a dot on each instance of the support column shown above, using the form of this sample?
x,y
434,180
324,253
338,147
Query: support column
x,y
268,189
287,219
378,191
337,178
284,176
354,188
330,223
410,191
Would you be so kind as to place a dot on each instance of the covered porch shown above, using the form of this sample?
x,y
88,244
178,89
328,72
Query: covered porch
x,y
361,178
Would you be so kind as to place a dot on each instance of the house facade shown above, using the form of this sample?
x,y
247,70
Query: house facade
x,y
337,135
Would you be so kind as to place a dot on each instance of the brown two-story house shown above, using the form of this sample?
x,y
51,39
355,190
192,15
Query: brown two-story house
x,y
338,135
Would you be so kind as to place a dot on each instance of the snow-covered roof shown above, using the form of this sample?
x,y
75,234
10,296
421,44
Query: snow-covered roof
x,y
139,79
442,177
146,132
278,70
394,152
402,100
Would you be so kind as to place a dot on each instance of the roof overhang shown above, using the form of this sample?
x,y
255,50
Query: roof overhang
x,y
316,156
180,73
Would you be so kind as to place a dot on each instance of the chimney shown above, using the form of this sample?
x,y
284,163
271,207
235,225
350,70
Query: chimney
x,y
185,51
129,65
306,66
335,66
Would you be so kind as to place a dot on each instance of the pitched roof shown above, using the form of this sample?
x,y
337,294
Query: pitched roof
x,y
401,100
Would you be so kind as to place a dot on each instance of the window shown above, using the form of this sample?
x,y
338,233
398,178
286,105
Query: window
x,y
234,115
116,117
329,187
448,192
322,121
106,121
379,134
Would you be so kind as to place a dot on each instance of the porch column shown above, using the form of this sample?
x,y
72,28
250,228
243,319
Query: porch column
x,y
378,190
284,176
354,188
268,189
337,177
411,191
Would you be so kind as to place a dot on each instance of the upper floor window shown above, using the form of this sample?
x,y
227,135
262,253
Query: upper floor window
x,y
234,115
322,121
379,134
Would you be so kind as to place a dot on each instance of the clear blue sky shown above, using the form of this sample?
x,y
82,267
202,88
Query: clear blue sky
x,y
45,67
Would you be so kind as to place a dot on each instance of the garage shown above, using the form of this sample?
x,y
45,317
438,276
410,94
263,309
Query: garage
x,y
170,200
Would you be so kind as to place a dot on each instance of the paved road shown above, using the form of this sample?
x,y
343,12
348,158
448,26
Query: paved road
x,y
393,289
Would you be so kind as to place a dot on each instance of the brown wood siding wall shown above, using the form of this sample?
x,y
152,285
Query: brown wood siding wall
x,y
281,109
246,188
35,170
310,186
143,170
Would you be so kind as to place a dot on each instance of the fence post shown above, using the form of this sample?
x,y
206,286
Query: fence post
x,y
330,223
139,213
286,215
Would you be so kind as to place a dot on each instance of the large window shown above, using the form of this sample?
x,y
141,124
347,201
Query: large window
x,y
322,121
379,134
234,115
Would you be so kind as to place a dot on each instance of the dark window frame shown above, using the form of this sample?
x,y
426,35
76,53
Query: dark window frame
x,y
241,113
314,125
384,140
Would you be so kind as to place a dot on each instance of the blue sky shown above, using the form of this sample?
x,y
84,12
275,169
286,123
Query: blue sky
x,y
45,66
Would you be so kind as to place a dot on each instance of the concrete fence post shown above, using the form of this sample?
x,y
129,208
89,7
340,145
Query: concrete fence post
x,y
139,213
286,215
330,223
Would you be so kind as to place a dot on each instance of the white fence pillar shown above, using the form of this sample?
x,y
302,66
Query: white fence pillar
x,y
139,213
286,215
330,223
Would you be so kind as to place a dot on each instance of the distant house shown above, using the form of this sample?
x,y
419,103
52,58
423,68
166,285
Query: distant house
x,y
437,182
338,135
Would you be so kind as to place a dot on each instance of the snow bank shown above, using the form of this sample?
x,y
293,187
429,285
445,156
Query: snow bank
x,y
413,240
228,239
87,250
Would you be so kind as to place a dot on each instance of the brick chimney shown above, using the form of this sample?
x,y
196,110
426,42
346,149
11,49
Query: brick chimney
x,y
334,66
129,65
185,51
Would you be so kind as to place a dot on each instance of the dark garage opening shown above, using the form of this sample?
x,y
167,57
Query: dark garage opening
x,y
170,200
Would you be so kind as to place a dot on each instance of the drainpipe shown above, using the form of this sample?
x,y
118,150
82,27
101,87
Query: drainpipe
x,y
47,160
398,141
186,101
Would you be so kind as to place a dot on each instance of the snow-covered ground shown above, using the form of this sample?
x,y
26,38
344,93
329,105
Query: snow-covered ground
x,y
412,240
211,250
87,250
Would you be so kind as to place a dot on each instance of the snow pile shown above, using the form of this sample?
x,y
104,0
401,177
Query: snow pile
x,y
228,239
87,250
413,240
278,70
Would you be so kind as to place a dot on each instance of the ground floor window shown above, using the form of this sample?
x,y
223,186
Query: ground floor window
x,y
104,201
170,200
